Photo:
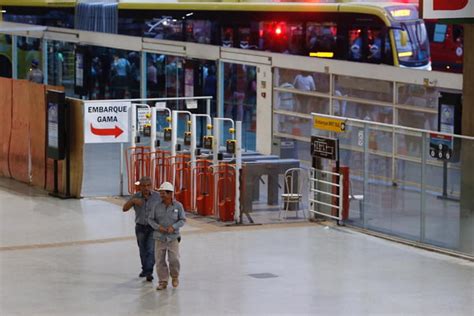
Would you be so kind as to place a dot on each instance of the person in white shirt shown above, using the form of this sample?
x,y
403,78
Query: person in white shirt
x,y
304,83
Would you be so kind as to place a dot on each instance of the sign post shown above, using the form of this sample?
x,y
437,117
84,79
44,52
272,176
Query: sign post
x,y
57,116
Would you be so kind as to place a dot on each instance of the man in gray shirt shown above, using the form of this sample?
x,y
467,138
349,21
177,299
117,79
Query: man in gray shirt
x,y
166,219
35,74
143,203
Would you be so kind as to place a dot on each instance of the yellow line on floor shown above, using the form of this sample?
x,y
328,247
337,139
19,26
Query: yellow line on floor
x,y
204,229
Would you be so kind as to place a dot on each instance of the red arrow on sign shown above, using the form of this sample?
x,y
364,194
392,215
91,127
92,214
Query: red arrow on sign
x,y
117,131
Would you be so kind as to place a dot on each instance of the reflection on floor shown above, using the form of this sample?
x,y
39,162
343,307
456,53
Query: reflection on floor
x,y
79,257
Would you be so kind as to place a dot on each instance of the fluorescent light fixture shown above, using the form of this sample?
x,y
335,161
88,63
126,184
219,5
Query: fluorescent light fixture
x,y
3,11
189,14
321,54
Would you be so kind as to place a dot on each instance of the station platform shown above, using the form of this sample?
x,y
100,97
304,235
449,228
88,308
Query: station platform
x,y
79,257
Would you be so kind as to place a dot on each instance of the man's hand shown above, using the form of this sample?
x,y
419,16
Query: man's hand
x,y
170,230
162,229
137,201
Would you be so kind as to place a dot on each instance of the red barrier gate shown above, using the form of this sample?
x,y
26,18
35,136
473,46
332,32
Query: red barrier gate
x,y
138,165
204,179
182,180
162,168
225,191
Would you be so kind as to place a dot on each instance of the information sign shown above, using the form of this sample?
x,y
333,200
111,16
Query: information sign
x,y
329,124
106,122
324,147
441,146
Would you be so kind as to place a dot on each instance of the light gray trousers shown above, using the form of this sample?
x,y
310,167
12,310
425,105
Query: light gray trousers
x,y
172,248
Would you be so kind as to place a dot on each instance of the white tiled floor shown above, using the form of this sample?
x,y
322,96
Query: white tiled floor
x,y
79,257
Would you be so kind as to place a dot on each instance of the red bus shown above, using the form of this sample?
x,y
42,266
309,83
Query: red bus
x,y
446,45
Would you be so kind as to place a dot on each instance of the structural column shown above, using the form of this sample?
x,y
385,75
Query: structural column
x,y
467,150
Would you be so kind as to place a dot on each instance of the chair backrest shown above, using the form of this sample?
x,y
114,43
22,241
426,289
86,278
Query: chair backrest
x,y
294,180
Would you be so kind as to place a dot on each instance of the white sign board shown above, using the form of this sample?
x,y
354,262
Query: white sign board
x,y
448,9
142,119
106,122
191,104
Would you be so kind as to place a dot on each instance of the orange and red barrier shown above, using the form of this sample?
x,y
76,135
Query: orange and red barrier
x,y
138,161
225,174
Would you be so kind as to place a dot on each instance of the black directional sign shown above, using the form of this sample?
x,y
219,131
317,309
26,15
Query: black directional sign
x,y
441,146
324,147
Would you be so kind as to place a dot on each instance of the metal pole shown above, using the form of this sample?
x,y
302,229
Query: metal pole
x,y
174,141
133,124
143,75
153,130
445,178
121,169
366,175
153,144
238,166
423,186
44,44
220,89
14,57
215,152
193,162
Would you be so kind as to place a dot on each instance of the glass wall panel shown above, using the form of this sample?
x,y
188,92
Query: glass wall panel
x,y
418,96
416,119
29,57
368,89
5,56
61,66
240,97
367,112
300,103
292,125
288,148
302,80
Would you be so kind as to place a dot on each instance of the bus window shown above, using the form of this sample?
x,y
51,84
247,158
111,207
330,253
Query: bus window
x,y
356,47
273,36
245,40
227,36
165,27
416,51
321,39
376,45
198,31
439,33
296,42
458,34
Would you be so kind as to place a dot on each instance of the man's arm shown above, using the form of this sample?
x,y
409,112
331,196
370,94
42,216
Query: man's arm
x,y
181,218
132,202
152,221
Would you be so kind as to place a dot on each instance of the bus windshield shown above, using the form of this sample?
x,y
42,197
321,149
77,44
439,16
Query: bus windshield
x,y
416,52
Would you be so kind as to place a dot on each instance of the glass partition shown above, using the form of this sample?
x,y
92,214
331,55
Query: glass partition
x,y
240,100
61,65
29,57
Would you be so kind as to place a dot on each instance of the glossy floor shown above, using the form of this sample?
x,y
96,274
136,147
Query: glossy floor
x,y
79,257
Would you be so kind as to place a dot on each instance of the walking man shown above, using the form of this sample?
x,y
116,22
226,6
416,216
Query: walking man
x,y
166,219
143,203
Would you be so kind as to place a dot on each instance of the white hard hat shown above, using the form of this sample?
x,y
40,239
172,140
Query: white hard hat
x,y
166,186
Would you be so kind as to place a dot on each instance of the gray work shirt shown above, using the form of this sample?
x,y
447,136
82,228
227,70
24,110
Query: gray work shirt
x,y
162,215
143,212
35,75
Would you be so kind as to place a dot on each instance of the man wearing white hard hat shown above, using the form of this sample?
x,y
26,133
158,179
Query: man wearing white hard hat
x,y
166,219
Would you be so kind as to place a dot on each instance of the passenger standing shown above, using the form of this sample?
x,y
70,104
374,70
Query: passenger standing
x,y
304,83
143,202
35,74
166,219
